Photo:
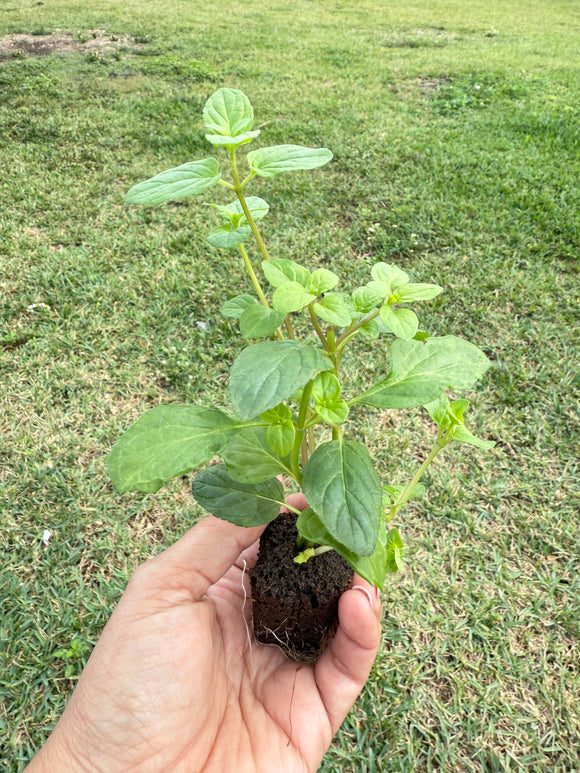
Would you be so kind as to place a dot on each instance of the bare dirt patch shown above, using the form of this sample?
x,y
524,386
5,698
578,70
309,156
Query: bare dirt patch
x,y
36,46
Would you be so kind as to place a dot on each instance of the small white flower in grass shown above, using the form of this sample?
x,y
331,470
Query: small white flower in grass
x,y
46,535
34,306
201,325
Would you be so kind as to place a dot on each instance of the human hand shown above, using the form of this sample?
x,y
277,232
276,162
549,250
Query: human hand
x,y
174,683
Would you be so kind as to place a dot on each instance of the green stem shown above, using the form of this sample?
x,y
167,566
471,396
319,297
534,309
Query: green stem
x,y
300,431
317,327
253,277
405,495
349,332
239,186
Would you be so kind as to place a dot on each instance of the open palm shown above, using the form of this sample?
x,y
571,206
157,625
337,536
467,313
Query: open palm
x,y
177,682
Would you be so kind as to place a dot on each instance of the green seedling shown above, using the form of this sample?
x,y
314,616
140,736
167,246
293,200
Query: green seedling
x,y
290,402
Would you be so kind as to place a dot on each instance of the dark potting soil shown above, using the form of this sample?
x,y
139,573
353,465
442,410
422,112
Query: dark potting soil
x,y
295,605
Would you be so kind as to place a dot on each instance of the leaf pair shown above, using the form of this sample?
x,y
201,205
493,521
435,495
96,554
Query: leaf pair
x,y
449,418
228,117
171,440
391,285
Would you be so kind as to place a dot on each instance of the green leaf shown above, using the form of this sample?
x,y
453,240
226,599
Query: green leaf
x,y
228,112
437,410
235,307
177,183
166,442
267,373
389,276
321,281
372,568
420,372
258,321
291,296
417,292
249,458
280,433
403,323
325,387
395,549
370,330
218,140
334,412
225,237
245,504
463,435
234,214
327,402
457,408
270,162
365,299
278,271
341,485
334,310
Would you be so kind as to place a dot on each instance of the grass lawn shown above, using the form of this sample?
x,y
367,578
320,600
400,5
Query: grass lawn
x,y
454,128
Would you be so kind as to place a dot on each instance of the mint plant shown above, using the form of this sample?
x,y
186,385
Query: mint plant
x,y
290,399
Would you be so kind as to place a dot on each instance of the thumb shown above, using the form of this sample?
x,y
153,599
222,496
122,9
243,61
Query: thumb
x,y
343,669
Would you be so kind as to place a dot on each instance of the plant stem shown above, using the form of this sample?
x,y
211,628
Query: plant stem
x,y
353,328
317,327
300,432
238,187
253,277
405,495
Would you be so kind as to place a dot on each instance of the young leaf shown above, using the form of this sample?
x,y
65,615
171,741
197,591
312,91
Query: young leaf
x,y
280,433
177,183
249,458
235,307
334,310
291,296
417,292
395,550
166,442
321,281
278,271
269,372
401,322
389,276
225,237
218,140
327,402
365,299
370,330
463,435
258,321
341,485
228,112
420,372
234,213
245,504
437,410
270,162
325,387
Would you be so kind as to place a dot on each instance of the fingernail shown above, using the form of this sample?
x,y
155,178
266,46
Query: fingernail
x,y
367,594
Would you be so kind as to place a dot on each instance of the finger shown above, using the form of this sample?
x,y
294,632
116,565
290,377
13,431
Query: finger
x,y
343,669
202,556
297,500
